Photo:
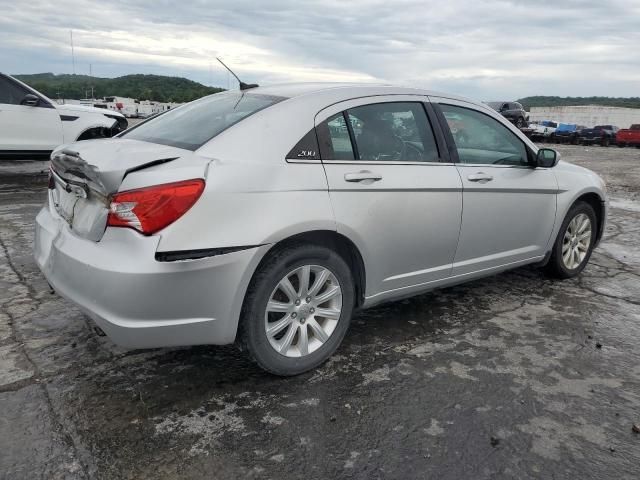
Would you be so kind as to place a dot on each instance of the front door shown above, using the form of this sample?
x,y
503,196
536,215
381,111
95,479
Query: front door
x,y
509,206
391,191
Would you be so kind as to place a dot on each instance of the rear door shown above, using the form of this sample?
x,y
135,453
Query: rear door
x,y
23,127
392,189
509,206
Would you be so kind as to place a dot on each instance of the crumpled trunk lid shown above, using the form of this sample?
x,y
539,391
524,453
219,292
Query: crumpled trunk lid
x,y
84,176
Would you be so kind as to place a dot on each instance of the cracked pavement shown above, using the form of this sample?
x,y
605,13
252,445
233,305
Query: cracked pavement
x,y
513,376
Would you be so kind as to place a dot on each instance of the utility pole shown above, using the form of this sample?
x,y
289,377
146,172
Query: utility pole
x,y
91,77
73,56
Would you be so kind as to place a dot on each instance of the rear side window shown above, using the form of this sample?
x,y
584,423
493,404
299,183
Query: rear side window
x,y
379,132
389,132
195,123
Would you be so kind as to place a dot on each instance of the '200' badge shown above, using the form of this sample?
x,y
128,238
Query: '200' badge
x,y
306,154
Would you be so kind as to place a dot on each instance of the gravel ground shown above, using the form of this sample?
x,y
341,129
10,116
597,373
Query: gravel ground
x,y
513,376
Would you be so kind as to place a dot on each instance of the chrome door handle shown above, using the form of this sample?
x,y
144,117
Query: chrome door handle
x,y
479,177
362,176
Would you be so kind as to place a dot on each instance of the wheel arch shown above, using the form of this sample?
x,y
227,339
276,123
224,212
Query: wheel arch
x,y
598,204
94,132
337,242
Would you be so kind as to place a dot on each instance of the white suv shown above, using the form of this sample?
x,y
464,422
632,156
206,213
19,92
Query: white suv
x,y
31,125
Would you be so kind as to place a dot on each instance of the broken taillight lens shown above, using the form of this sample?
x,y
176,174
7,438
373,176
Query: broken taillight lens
x,y
151,209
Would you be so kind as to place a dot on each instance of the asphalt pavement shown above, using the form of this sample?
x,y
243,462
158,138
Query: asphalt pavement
x,y
513,376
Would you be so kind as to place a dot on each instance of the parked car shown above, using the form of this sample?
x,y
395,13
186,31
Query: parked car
x,y
31,125
567,133
604,135
513,111
543,131
266,216
629,136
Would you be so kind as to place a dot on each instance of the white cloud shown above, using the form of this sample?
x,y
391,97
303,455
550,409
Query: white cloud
x,y
484,49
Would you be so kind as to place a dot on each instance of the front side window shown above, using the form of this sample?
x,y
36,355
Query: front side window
x,y
195,123
10,93
388,132
480,139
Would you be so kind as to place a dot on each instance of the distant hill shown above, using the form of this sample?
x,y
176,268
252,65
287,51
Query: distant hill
x,y
142,87
540,101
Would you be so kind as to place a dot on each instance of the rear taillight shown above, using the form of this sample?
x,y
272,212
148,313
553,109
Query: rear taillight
x,y
151,209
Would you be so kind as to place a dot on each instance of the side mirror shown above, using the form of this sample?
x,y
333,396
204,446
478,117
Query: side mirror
x,y
30,100
547,158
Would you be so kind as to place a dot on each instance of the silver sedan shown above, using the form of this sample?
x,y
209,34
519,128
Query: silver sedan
x,y
266,216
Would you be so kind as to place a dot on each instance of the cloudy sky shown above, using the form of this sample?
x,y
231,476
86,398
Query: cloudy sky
x,y
493,49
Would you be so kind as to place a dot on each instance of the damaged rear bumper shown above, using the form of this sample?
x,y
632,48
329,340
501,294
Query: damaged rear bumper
x,y
138,301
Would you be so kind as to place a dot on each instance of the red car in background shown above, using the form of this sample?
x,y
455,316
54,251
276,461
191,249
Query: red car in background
x,y
629,136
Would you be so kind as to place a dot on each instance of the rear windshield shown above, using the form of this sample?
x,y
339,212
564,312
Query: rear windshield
x,y
194,124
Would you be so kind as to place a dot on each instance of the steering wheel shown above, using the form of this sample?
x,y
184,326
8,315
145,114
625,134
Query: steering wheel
x,y
407,151
412,153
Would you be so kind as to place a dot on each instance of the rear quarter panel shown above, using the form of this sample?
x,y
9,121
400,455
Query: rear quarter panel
x,y
253,204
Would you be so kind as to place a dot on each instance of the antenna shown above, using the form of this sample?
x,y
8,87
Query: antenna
x,y
243,86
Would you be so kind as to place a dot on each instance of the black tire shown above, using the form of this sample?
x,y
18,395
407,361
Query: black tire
x,y
520,122
556,267
252,332
605,142
621,145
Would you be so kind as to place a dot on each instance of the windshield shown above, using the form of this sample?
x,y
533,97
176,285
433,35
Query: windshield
x,y
192,125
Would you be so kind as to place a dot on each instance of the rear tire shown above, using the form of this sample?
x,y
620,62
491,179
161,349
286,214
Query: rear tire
x,y
307,330
605,142
572,248
520,122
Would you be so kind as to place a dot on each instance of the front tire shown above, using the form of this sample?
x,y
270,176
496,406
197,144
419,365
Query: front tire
x,y
575,242
297,309
520,122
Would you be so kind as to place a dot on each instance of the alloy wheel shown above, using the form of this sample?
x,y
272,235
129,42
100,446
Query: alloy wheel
x,y
303,310
576,241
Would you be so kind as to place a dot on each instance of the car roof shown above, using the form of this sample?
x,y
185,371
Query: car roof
x,y
344,91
